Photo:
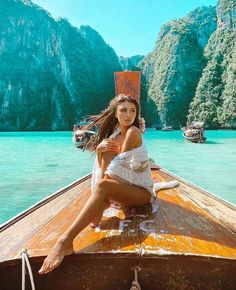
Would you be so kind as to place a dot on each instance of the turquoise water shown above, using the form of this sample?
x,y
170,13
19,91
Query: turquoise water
x,y
35,164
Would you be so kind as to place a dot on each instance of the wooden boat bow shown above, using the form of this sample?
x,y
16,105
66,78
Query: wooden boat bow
x,y
192,227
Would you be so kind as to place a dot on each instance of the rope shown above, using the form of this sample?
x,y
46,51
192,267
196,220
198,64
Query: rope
x,y
25,259
135,284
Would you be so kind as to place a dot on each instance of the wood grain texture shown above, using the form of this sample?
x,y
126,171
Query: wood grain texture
x,y
128,83
185,224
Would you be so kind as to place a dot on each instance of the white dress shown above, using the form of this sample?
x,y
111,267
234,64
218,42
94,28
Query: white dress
x,y
132,167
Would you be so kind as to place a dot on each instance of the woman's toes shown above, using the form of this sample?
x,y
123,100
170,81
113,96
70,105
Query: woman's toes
x,y
95,224
44,267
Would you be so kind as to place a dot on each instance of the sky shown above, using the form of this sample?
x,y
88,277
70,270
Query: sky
x,y
130,27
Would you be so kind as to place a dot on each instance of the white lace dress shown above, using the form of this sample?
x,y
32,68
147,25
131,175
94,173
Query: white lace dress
x,y
132,167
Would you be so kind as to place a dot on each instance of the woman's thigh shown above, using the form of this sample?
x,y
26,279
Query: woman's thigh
x,y
124,193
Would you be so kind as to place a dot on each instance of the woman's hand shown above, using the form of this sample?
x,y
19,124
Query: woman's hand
x,y
108,145
142,125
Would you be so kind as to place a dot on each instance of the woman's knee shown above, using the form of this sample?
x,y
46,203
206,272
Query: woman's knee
x,y
101,188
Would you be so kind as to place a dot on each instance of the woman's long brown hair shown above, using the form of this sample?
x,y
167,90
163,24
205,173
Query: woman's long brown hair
x,y
106,122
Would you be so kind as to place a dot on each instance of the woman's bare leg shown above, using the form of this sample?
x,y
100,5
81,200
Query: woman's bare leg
x,y
107,190
98,218
105,161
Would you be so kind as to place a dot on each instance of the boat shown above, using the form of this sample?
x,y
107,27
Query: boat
x,y
80,136
189,243
167,128
194,133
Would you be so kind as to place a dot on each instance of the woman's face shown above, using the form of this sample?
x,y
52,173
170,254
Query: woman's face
x,y
126,113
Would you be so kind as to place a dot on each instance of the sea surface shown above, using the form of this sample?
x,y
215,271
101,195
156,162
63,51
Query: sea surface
x,y
36,164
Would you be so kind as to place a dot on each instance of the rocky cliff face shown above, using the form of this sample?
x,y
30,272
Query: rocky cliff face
x,y
215,98
191,71
51,73
175,66
130,63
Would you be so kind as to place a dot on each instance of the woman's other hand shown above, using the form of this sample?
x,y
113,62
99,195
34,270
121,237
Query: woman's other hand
x,y
142,125
108,146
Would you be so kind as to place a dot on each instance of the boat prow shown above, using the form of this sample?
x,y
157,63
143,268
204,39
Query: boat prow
x,y
189,243
194,139
194,133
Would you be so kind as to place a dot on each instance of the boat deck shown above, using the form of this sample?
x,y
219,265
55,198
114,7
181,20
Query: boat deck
x,y
190,223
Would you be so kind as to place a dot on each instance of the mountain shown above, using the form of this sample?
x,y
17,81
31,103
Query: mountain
x,y
215,98
130,63
51,73
174,68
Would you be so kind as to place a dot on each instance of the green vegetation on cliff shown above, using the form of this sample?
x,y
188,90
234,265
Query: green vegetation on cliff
x,y
51,73
175,66
191,72
215,98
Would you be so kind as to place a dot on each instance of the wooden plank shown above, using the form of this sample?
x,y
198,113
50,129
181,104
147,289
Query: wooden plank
x,y
180,226
222,211
190,229
108,239
60,213
13,238
106,272
118,233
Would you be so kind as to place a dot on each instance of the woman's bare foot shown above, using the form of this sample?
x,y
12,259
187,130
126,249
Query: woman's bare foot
x,y
98,218
56,256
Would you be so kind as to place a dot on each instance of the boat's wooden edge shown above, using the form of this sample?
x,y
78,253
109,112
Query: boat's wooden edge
x,y
202,190
123,255
86,177
223,221
141,252
42,202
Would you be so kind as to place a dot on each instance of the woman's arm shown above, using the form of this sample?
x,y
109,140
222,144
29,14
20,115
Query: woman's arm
x,y
106,146
133,139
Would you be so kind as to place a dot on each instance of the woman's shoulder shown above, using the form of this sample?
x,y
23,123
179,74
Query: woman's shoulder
x,y
134,130
134,133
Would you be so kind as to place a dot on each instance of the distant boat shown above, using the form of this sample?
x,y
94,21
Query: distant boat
x,y
195,132
80,136
167,128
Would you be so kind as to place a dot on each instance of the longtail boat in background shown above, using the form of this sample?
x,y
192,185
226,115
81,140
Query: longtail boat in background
x,y
195,132
80,136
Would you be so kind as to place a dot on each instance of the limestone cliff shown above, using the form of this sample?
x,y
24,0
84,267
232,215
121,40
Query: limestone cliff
x,y
51,73
175,66
130,63
215,98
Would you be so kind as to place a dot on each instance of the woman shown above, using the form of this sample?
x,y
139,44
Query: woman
x,y
121,173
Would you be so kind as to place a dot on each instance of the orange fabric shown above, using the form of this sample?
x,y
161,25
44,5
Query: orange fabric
x,y
128,83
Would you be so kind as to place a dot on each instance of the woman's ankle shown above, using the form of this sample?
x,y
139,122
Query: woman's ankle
x,y
65,240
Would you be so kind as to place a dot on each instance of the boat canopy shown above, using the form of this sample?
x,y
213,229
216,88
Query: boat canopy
x,y
197,125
